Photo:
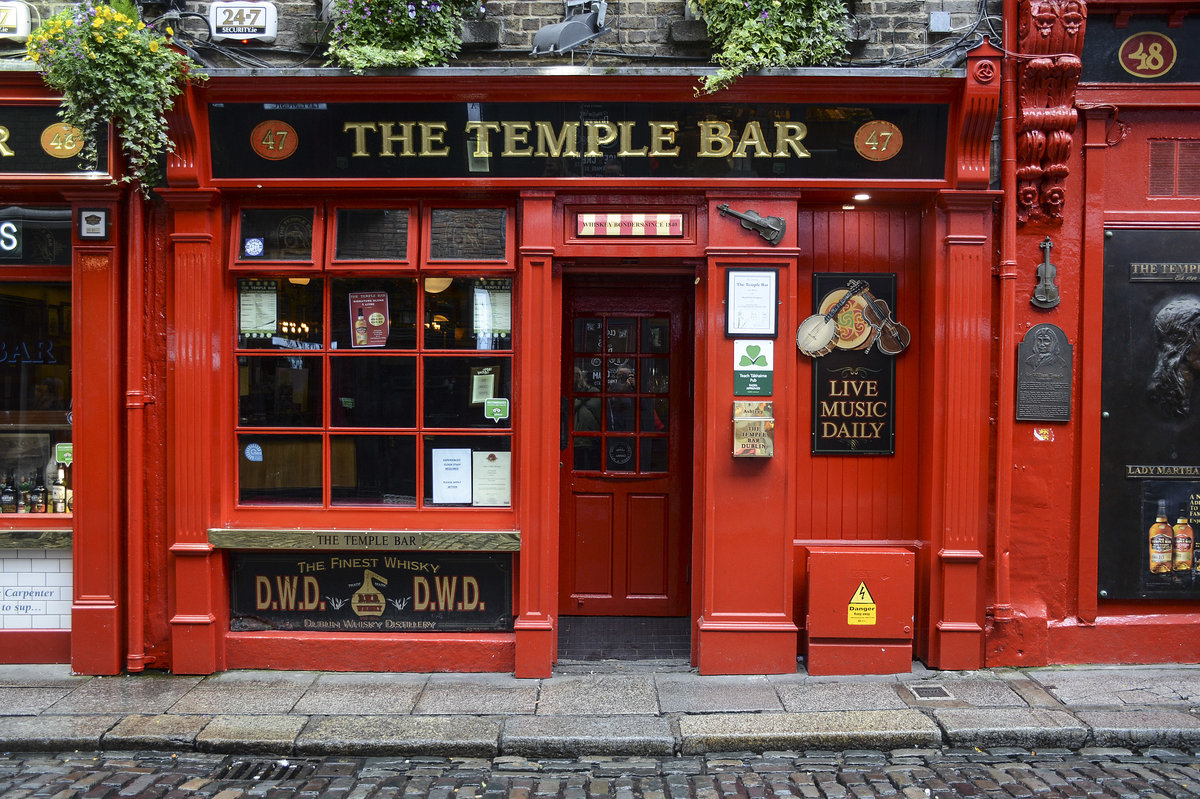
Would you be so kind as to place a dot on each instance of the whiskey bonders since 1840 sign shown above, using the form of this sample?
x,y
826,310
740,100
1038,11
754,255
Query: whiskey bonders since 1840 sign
x,y
854,384
372,591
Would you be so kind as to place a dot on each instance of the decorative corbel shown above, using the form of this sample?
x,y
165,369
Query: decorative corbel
x,y
1050,39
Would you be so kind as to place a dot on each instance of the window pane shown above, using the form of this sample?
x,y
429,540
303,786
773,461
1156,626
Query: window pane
x,y
35,395
279,391
468,313
587,414
655,375
468,470
622,375
276,234
619,452
393,299
373,391
655,415
588,374
378,234
622,335
656,335
654,454
374,470
587,454
588,335
35,236
279,469
468,234
456,387
279,313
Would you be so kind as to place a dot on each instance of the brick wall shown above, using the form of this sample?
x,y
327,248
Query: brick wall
x,y
35,589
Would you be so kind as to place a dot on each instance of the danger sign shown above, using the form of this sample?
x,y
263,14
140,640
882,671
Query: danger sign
x,y
861,610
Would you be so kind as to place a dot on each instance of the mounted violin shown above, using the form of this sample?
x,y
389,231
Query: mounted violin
x,y
891,337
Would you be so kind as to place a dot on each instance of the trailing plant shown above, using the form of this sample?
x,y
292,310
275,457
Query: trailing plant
x,y
368,34
109,66
750,35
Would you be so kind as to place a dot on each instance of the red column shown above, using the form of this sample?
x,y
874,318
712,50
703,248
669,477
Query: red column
x,y
956,428
195,569
538,332
97,619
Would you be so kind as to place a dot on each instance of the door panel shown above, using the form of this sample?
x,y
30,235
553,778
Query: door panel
x,y
626,518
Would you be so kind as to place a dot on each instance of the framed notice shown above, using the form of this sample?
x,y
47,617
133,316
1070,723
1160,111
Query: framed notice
x,y
491,477
752,303
452,476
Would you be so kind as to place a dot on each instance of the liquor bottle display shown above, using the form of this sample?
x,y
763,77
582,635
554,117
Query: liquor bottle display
x,y
8,495
58,493
1184,545
1162,542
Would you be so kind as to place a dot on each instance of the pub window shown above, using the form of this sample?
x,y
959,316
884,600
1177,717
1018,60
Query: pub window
x,y
387,387
35,361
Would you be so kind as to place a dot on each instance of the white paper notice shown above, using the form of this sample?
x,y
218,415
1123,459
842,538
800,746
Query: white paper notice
x,y
452,476
492,472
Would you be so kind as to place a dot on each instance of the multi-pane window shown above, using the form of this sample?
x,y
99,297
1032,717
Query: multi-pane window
x,y
35,361
364,378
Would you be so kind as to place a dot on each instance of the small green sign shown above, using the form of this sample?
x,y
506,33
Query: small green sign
x,y
496,409
753,368
64,453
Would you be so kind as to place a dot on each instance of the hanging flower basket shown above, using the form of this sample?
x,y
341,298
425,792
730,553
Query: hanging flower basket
x,y
110,67
370,34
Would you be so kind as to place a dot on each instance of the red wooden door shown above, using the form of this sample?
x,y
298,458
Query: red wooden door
x,y
626,500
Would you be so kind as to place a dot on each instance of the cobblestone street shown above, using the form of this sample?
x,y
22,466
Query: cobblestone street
x,y
905,774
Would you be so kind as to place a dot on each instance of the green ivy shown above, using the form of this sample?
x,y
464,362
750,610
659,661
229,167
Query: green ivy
x,y
369,34
109,67
751,35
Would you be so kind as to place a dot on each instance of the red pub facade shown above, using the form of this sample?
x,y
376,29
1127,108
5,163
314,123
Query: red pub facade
x,y
395,373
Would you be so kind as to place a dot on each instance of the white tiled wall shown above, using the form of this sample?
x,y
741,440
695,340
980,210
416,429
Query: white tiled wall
x,y
35,589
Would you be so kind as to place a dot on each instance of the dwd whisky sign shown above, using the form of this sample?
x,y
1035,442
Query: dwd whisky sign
x,y
372,591
544,141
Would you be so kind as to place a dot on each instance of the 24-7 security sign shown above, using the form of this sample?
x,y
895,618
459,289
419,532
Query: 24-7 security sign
x,y
11,239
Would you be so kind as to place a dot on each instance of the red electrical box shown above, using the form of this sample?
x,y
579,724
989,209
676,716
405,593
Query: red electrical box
x,y
860,610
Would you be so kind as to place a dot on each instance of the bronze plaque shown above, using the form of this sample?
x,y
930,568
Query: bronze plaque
x,y
1044,375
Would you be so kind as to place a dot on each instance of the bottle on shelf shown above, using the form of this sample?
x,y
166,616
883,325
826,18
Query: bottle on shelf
x,y
1162,541
1184,543
58,493
8,495
37,498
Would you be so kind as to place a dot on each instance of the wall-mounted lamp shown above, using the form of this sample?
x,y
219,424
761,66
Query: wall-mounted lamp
x,y
243,22
436,285
14,21
584,22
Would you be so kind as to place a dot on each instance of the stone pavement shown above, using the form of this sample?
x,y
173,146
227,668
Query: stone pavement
x,y
643,708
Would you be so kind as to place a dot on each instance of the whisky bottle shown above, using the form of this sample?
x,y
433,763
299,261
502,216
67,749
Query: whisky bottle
x,y
8,495
37,499
58,493
1161,541
360,330
1184,543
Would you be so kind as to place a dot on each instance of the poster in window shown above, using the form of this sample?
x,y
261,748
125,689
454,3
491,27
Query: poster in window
x,y
258,308
452,476
369,318
491,476
483,384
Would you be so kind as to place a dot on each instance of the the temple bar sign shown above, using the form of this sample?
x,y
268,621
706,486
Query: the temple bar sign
x,y
555,140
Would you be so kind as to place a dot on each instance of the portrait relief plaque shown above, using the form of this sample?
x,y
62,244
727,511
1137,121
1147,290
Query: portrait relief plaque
x,y
1044,375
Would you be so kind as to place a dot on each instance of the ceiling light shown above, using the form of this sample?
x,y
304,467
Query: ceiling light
x,y
436,285
862,197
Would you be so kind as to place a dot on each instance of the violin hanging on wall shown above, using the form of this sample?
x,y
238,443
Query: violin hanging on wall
x,y
891,337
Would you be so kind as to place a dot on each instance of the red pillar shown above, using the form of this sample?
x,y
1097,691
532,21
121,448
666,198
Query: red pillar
x,y
956,427
195,571
537,417
97,613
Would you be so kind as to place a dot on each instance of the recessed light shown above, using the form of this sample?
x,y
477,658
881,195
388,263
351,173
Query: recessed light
x,y
862,197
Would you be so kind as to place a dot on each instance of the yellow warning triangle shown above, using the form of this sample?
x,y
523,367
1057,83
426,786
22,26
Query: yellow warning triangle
x,y
862,596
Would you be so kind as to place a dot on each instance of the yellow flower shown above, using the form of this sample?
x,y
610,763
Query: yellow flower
x,y
154,46
169,31
141,25
33,57
99,39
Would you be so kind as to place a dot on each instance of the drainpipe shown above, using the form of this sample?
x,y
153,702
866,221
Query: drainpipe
x,y
1002,610
135,403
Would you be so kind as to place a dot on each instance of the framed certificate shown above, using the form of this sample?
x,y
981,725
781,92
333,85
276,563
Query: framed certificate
x,y
752,303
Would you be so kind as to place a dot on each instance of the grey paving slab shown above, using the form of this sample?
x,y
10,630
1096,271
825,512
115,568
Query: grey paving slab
x,y
479,694
693,693
251,734
137,693
1114,685
54,733
801,697
349,693
1141,728
963,692
598,694
162,731
40,675
567,736
441,736
1025,727
29,701
263,678
835,730
214,698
